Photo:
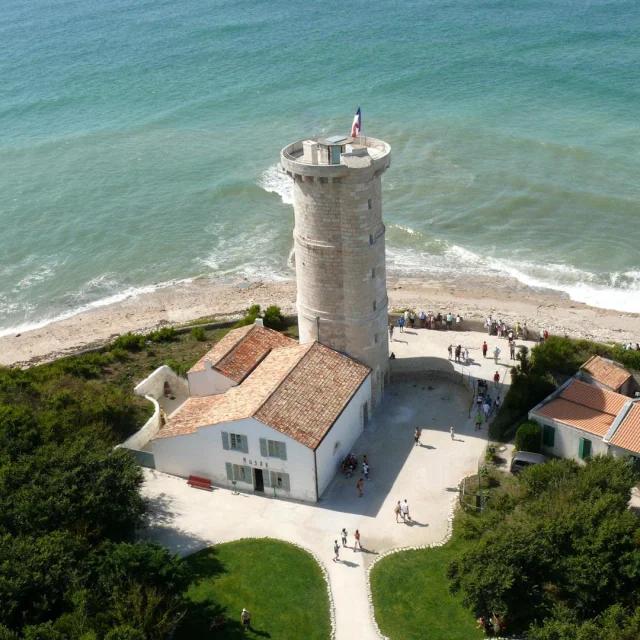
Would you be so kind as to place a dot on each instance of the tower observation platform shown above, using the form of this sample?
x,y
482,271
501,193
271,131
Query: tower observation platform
x,y
339,239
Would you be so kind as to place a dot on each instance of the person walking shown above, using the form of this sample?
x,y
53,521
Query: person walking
x,y
458,322
512,350
356,541
466,356
391,331
478,420
397,510
451,432
496,354
365,470
405,510
496,379
486,408
245,619
336,551
450,350
416,436
359,488
401,324
497,404
484,349
343,535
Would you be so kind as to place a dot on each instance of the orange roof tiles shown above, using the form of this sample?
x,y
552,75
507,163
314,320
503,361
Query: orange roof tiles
x,y
238,353
594,397
611,375
299,390
310,399
627,435
577,415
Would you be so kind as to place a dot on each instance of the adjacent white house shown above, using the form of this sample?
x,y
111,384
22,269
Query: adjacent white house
x,y
267,413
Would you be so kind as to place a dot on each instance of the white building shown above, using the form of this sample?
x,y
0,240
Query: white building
x,y
268,413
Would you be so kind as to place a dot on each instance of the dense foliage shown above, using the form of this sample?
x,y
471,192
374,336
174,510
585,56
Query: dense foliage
x,y
529,437
550,363
272,317
557,551
69,509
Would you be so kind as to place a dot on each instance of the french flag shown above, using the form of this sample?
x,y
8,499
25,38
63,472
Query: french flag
x,y
357,124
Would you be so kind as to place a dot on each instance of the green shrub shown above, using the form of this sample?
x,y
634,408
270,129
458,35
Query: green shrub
x,y
179,367
529,437
252,313
273,318
129,342
166,334
199,334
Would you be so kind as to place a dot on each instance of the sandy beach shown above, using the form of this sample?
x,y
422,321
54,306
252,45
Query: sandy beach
x,y
473,299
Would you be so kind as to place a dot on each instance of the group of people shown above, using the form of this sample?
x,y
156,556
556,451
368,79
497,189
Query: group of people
x,y
357,544
402,510
492,623
350,465
485,404
630,347
427,321
500,329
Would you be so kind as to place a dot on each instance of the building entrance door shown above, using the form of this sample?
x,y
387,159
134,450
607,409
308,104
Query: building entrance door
x,y
258,480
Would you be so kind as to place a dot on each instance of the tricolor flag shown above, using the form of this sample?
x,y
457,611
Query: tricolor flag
x,y
357,124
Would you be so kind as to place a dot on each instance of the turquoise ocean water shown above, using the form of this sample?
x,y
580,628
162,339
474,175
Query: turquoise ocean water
x,y
139,140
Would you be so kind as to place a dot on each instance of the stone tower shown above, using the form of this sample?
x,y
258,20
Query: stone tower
x,y
339,241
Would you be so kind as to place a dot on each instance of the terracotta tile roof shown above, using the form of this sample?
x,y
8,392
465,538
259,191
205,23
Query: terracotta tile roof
x,y
238,353
299,390
627,435
577,415
238,402
594,397
611,375
311,398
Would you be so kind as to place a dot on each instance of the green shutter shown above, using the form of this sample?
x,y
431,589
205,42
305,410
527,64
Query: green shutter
x,y
283,451
548,436
274,478
285,482
585,448
225,440
245,444
229,471
264,451
266,476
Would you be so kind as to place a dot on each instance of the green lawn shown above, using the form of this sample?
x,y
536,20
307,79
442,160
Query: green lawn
x,y
280,584
411,597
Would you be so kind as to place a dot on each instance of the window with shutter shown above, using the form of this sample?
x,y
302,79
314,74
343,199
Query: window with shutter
x,y
229,471
548,436
225,440
585,448
264,451
277,449
238,442
280,480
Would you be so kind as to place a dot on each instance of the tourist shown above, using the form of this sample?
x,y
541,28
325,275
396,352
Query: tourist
x,y
336,551
423,319
412,319
541,335
245,617
391,331
496,354
458,322
405,510
458,351
416,437
546,335
466,356
451,432
356,541
497,404
482,624
496,379
517,328
637,346
499,329
484,349
480,399
489,324
365,461
486,408
450,350
478,420
439,319
343,535
525,331
359,487
433,321
401,324
512,350
365,470
449,321
397,510
406,318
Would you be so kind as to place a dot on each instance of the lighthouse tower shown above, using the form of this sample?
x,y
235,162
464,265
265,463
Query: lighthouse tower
x,y
339,241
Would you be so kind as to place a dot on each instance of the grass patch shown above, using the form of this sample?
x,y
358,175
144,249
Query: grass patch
x,y
280,584
412,600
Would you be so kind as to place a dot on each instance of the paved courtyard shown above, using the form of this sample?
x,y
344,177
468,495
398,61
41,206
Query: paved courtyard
x,y
428,391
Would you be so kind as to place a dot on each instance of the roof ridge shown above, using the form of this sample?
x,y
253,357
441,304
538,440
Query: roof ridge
x,y
237,344
286,375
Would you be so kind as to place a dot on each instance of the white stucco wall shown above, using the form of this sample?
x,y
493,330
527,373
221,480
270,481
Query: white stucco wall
x,y
202,454
208,382
140,438
345,431
567,440
153,385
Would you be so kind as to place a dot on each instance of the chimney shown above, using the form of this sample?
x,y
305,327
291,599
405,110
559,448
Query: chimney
x,y
259,322
207,364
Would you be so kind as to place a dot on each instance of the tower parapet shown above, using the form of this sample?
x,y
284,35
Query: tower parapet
x,y
339,241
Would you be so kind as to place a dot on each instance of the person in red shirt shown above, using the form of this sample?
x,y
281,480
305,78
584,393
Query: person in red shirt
x,y
496,378
484,349
359,488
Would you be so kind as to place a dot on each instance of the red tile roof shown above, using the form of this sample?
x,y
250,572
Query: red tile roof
x,y
585,407
299,390
611,375
627,435
238,353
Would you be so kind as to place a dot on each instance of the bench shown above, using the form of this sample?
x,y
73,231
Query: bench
x,y
197,481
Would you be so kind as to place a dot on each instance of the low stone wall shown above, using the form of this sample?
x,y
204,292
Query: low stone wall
x,y
140,438
153,385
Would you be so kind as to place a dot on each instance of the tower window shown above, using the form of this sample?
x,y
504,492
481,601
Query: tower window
x,y
375,305
370,238
370,203
375,338
373,273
